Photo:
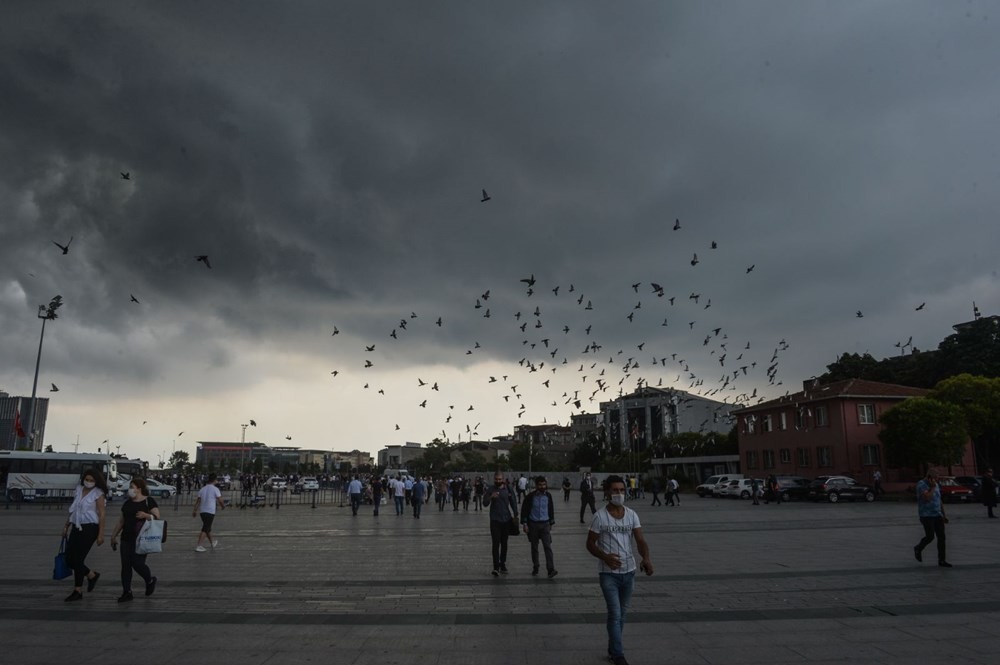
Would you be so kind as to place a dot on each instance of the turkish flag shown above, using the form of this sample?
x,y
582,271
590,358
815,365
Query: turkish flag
x,y
17,424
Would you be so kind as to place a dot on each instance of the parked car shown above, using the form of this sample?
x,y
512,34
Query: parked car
x,y
724,482
309,484
158,489
275,483
974,483
729,489
793,487
713,484
835,488
742,488
952,490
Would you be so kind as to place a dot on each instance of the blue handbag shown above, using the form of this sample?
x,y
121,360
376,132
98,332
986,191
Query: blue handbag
x,y
61,569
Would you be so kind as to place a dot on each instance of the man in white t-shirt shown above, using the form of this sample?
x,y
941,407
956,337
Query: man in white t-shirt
x,y
398,488
209,497
610,539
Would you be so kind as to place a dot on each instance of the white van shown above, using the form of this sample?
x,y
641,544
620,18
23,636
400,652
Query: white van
x,y
712,486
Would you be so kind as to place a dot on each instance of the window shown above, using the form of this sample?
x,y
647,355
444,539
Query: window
x,y
866,414
785,455
803,457
821,419
748,424
870,455
782,421
824,456
768,459
751,459
766,424
800,418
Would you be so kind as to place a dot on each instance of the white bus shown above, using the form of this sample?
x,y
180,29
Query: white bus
x,y
30,476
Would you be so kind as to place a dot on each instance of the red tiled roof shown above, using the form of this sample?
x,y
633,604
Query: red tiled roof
x,y
842,389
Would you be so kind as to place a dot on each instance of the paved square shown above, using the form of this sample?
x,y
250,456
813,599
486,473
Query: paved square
x,y
795,583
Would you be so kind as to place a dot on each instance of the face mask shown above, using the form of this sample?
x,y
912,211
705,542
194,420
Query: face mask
x,y
89,484
132,492
618,499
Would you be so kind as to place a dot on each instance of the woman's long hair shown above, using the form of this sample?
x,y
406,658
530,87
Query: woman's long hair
x,y
99,480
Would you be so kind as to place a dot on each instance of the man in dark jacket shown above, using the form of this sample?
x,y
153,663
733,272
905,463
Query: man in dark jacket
x,y
989,493
537,517
500,500
586,496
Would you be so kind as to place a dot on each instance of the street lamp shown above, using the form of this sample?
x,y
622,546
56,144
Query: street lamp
x,y
45,313
243,440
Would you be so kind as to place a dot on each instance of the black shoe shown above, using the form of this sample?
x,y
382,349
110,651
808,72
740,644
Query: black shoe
x,y
92,581
76,595
582,522
534,571
945,564
151,587
618,660
125,597
496,572
503,569
916,553
553,573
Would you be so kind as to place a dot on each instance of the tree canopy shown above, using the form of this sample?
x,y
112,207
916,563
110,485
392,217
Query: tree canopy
x,y
920,431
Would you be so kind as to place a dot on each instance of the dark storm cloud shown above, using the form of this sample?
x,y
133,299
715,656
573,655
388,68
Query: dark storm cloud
x,y
328,158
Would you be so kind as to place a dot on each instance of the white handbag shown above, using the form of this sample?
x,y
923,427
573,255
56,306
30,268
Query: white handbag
x,y
151,536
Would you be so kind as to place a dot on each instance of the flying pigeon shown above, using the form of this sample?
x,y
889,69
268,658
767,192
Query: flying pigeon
x,y
486,197
204,259
54,389
64,248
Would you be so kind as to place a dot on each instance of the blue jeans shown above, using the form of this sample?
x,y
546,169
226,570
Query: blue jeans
x,y
355,503
617,588
399,504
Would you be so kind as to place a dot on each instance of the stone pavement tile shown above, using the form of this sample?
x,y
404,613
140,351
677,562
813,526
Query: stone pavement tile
x,y
842,651
44,653
961,632
862,635
928,649
757,654
740,640
721,626
502,654
667,652
984,645
308,654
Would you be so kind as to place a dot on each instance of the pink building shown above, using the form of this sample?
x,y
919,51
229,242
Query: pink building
x,y
827,430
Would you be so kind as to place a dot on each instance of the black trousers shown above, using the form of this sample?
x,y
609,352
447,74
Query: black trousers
x,y
132,561
498,538
933,526
656,499
587,500
77,548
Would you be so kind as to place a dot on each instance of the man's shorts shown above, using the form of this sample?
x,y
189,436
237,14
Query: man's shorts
x,y
206,522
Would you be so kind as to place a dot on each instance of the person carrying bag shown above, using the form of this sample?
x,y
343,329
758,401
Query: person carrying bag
x,y
140,515
61,569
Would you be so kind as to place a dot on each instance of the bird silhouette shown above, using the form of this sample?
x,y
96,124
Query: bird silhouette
x,y
486,197
133,299
126,175
677,224
859,314
750,269
694,260
54,388
288,438
530,281
204,259
920,306
253,423
335,332
715,245
64,248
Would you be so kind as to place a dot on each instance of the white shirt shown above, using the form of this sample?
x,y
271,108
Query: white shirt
x,y
208,494
83,510
398,488
615,537
354,487
522,483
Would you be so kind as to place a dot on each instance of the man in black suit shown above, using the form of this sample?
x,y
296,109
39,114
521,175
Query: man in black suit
x,y
586,496
989,493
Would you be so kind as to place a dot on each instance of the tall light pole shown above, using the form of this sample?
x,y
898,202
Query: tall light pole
x,y
45,313
243,440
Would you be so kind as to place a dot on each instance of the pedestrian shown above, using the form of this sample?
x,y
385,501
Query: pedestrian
x,y
135,511
377,494
354,492
466,494
84,527
773,490
417,497
407,488
654,487
932,517
675,491
877,477
209,498
398,493
478,488
566,487
537,519
612,531
586,496
455,487
441,493
503,510
755,491
522,487
989,493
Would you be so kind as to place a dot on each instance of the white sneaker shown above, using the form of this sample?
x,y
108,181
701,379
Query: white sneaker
x,y
215,544
200,548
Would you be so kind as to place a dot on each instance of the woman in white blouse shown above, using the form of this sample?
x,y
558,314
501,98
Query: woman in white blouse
x,y
85,527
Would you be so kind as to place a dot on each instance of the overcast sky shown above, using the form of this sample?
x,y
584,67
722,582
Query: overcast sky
x,y
329,157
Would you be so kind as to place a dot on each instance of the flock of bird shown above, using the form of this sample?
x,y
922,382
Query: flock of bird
x,y
566,358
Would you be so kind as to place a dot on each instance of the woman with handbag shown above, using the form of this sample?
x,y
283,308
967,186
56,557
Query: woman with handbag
x,y
503,520
86,517
139,508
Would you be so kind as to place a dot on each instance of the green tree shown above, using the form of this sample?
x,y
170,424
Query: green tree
x,y
921,431
518,458
473,460
590,452
435,460
178,459
979,399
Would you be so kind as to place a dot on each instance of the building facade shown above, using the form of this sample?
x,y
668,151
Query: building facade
x,y
825,430
637,420
397,456
14,409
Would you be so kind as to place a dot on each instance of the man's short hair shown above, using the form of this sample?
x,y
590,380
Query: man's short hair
x,y
211,477
611,480
540,479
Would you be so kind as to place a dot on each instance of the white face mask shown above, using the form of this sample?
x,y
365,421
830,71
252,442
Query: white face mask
x,y
133,492
618,499
89,484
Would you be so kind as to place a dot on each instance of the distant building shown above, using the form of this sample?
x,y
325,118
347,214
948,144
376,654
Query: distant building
x,y
638,419
397,456
583,424
825,429
13,407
